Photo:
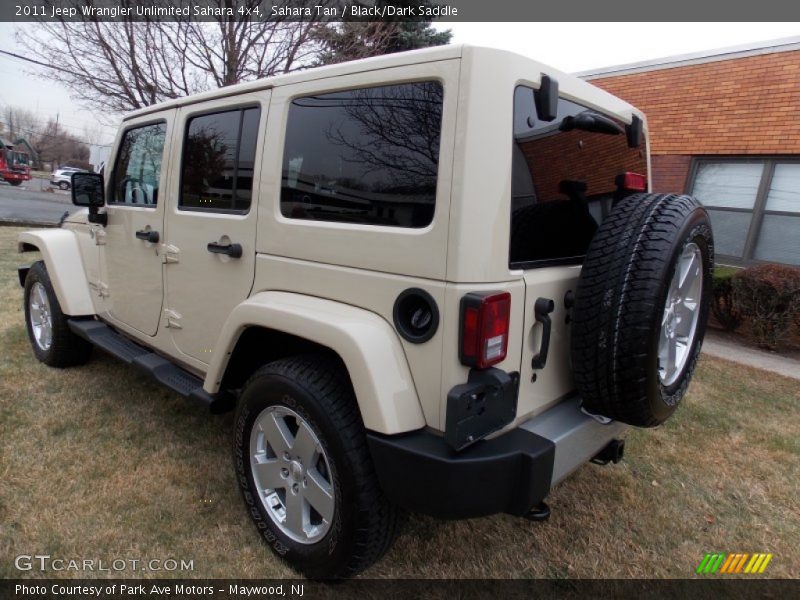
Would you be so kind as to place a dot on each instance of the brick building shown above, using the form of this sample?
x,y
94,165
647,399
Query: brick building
x,y
725,126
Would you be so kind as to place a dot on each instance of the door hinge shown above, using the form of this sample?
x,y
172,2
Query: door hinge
x,y
99,235
100,288
169,253
172,319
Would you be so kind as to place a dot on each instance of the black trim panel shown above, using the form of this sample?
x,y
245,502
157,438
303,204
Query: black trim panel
x,y
22,273
159,368
421,472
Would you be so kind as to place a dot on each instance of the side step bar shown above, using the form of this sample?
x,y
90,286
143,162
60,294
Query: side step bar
x,y
158,367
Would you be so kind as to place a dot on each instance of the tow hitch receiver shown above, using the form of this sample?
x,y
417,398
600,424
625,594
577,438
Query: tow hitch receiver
x,y
613,452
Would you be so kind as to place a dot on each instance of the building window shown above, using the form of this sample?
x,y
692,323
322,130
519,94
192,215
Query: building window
x,y
754,205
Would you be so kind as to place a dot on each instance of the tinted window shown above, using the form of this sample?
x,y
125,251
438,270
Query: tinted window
x,y
218,160
564,179
365,156
138,169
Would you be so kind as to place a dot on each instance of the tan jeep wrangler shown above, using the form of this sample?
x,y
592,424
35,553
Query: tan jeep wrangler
x,y
431,281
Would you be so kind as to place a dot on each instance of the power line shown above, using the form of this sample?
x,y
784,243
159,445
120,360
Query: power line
x,y
41,64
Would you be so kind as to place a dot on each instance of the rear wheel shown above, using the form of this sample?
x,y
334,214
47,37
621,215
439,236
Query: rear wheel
x,y
15,183
53,342
641,308
305,473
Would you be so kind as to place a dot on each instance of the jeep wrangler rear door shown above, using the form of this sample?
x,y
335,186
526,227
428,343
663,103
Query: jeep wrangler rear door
x,y
567,174
131,283
211,218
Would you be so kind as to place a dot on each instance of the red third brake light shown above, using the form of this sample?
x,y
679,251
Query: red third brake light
x,y
634,182
484,328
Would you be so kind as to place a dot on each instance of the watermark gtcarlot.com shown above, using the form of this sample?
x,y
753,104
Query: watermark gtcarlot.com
x,y
47,563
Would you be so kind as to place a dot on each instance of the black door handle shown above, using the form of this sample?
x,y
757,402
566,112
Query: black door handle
x,y
232,250
542,310
147,236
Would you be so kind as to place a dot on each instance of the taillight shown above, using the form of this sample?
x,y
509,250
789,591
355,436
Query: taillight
x,y
633,182
484,328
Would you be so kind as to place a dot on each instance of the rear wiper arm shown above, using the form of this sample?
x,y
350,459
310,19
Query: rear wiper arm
x,y
591,121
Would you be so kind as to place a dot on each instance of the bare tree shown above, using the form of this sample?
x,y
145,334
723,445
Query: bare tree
x,y
93,133
54,144
122,66
20,123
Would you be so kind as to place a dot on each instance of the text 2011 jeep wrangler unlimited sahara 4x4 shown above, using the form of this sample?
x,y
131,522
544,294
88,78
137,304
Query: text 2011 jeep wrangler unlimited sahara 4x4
x,y
431,281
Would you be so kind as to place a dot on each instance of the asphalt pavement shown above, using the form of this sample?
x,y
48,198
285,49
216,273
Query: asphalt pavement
x,y
30,203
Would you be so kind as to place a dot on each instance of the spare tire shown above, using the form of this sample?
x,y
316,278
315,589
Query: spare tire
x,y
641,308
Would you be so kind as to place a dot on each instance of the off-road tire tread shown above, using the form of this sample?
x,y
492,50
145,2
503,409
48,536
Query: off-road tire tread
x,y
617,301
324,377
67,349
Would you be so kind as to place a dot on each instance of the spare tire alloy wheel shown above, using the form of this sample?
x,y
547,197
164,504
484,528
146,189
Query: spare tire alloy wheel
x,y
641,308
681,314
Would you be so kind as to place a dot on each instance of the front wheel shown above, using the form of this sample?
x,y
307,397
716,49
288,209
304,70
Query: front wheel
x,y
305,473
15,182
63,186
52,340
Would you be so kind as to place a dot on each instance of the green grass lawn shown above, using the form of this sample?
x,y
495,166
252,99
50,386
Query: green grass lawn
x,y
98,462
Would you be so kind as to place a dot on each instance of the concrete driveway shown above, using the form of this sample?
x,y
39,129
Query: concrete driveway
x,y
30,203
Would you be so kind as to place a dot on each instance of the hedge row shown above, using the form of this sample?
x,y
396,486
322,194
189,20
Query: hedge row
x,y
767,296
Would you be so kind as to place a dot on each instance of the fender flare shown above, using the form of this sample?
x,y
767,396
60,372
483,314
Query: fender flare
x,y
367,344
62,257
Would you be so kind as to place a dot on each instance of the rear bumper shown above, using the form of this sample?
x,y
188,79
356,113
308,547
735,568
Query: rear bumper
x,y
510,473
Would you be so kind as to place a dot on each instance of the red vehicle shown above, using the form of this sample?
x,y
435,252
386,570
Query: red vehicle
x,y
14,166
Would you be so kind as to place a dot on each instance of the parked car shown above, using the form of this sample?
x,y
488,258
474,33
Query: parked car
x,y
62,178
431,281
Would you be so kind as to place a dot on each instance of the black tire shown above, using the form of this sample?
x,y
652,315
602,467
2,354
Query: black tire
x,y
63,185
365,523
66,349
15,183
619,307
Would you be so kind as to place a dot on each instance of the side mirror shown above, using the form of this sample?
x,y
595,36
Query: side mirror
x,y
88,189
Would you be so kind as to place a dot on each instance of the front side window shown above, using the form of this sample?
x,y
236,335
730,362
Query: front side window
x,y
218,160
565,176
367,156
138,168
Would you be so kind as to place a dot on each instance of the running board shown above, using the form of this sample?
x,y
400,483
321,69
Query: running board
x,y
159,368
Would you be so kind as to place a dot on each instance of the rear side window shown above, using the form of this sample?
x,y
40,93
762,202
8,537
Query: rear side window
x,y
367,156
565,179
138,169
218,159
